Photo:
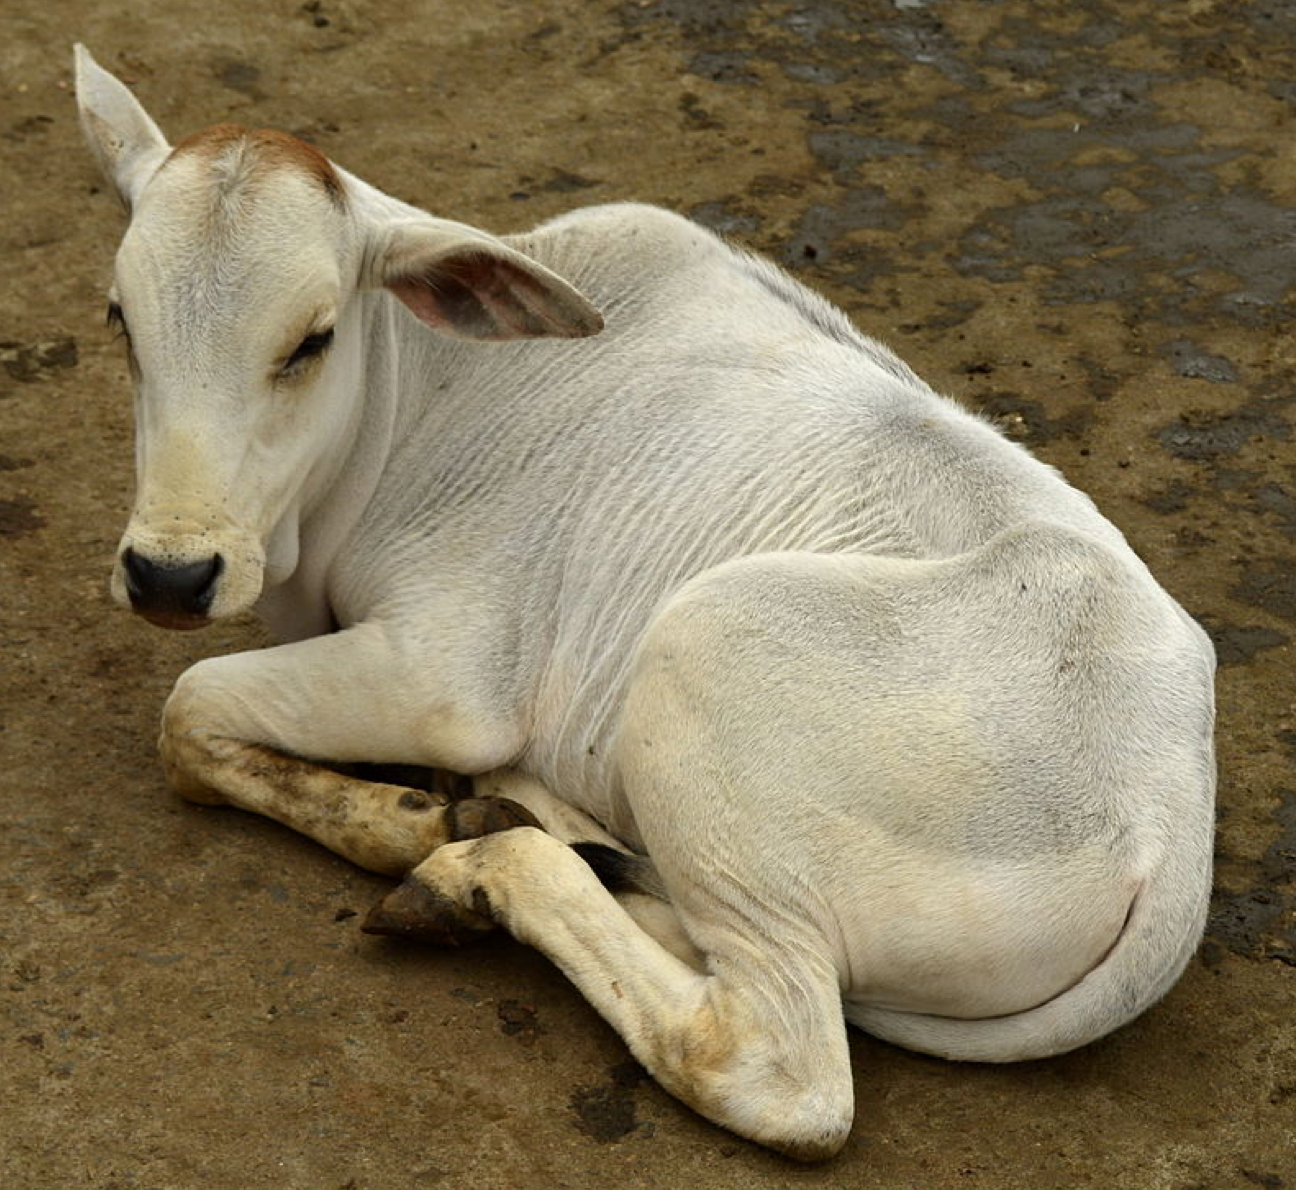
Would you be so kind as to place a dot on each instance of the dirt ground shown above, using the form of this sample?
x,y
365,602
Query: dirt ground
x,y
1077,217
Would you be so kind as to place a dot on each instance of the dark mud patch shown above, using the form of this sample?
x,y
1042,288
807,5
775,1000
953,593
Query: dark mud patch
x,y
1260,923
821,234
1201,435
559,182
1269,585
1239,644
1131,202
1135,201
695,115
1172,498
563,181
949,314
607,1111
1273,499
1267,1181
27,362
18,517
843,152
1191,361
239,75
518,1020
21,130
716,32
726,217
1096,252
1027,421
826,42
1102,380
1187,538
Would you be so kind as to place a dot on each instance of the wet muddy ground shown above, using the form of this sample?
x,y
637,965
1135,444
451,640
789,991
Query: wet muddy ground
x,y
1079,218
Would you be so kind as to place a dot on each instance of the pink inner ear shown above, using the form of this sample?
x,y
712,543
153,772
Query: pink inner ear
x,y
476,295
418,296
464,297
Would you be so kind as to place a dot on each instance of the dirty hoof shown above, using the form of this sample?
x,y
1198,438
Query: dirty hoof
x,y
476,816
415,911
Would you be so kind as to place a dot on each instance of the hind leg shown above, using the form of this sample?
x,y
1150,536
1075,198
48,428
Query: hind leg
x,y
756,1042
632,879
753,1037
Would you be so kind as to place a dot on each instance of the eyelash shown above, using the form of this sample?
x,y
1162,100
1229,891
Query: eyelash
x,y
310,348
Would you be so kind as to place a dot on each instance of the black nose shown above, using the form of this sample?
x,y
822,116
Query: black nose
x,y
182,591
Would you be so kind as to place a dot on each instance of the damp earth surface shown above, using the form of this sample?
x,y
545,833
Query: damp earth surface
x,y
1079,219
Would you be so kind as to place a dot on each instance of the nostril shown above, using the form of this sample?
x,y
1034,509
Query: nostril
x,y
187,590
137,571
206,590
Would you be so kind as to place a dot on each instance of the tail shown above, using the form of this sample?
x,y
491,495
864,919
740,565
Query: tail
x,y
622,871
1161,933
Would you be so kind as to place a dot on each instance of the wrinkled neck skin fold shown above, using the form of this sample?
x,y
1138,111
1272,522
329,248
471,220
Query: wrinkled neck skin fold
x,y
305,544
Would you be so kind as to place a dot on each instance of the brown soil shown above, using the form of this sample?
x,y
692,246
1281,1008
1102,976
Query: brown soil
x,y
1076,217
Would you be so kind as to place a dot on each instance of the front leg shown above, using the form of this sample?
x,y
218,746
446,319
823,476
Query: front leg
x,y
251,730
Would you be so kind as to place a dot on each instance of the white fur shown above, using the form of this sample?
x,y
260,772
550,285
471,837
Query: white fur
x,y
902,721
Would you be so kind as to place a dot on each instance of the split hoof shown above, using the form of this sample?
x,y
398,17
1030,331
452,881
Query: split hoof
x,y
476,816
414,911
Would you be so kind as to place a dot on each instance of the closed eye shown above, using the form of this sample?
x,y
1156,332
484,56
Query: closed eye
x,y
310,348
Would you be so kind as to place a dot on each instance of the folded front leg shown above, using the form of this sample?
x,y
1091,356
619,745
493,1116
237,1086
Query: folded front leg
x,y
254,730
384,828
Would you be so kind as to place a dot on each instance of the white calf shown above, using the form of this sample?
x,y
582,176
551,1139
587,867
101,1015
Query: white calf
x,y
909,734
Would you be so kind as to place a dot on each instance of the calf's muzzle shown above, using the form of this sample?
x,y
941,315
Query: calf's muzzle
x,y
171,596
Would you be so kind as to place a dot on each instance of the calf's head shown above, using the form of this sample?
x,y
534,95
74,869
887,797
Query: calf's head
x,y
237,288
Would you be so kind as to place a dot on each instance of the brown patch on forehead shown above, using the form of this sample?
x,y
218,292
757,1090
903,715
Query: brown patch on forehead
x,y
267,149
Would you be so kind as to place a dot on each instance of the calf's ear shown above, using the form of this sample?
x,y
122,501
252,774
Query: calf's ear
x,y
467,284
123,138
